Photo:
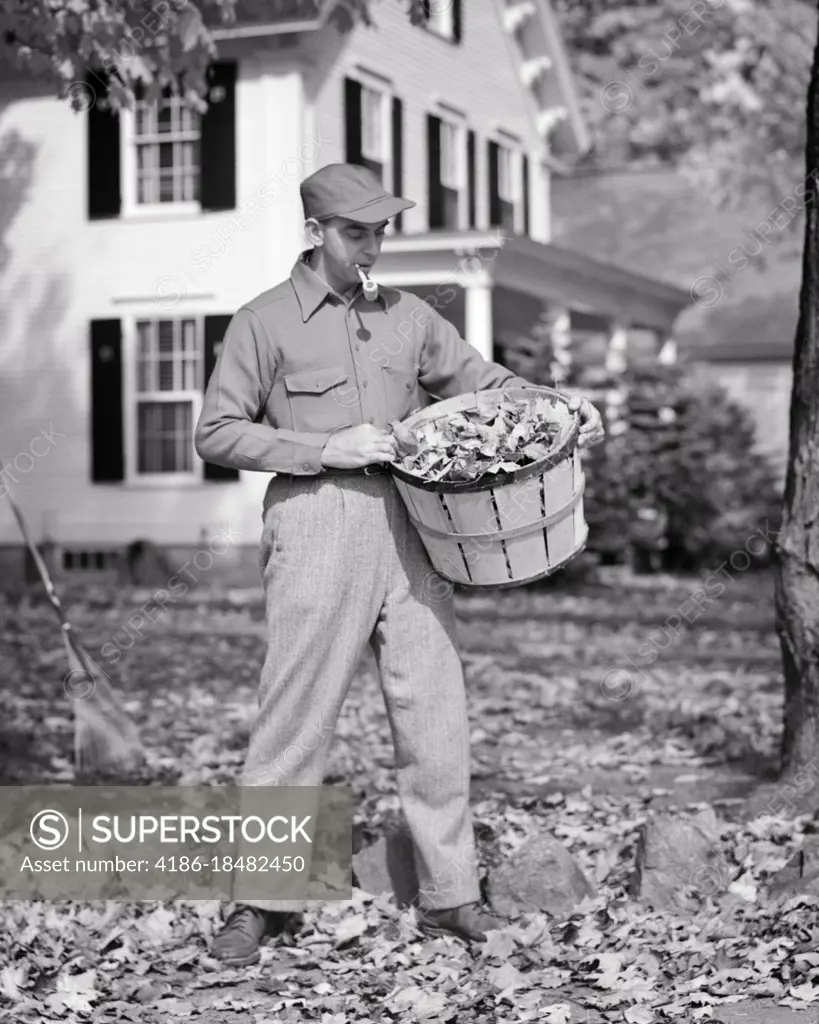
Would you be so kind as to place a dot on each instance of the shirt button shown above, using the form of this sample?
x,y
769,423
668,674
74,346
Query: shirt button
x,y
364,383
371,419
409,384
306,466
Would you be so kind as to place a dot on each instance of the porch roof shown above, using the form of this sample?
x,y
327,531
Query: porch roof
x,y
545,271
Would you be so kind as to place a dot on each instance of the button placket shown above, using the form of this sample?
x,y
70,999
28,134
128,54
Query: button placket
x,y
361,382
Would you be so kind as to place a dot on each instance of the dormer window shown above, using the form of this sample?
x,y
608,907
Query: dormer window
x,y
443,17
374,130
509,181
450,183
508,188
453,177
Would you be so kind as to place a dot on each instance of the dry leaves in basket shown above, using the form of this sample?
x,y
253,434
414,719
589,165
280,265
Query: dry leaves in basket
x,y
500,435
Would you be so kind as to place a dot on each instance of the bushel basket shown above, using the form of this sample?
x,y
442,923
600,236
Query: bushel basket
x,y
506,528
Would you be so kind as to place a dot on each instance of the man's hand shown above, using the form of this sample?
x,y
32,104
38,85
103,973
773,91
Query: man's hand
x,y
591,425
358,446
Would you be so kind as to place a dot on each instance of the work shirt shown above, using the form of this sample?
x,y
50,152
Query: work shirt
x,y
300,362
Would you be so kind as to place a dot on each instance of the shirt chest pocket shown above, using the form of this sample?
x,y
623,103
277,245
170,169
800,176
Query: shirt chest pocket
x,y
322,399
400,390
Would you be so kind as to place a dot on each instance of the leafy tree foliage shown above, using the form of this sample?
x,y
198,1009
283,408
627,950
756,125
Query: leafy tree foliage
x,y
716,88
147,43
679,484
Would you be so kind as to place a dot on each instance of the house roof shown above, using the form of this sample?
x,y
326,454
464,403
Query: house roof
x,y
269,10
656,222
269,17
541,32
575,124
549,273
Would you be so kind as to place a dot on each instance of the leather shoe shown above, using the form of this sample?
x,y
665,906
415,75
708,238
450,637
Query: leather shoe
x,y
246,929
471,922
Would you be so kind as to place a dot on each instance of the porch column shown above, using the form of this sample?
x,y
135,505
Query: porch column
x,y
480,331
616,362
277,139
667,355
560,338
617,351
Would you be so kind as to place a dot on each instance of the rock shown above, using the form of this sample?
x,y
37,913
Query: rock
x,y
388,865
540,876
800,875
676,863
144,565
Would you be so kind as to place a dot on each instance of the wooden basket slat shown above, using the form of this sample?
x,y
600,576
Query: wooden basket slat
x,y
519,503
407,496
561,540
428,508
579,521
472,512
486,561
446,558
527,554
492,575
558,487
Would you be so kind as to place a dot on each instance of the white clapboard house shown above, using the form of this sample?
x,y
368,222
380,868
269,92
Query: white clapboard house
x,y
127,242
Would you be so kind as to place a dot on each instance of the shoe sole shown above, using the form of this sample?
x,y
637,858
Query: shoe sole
x,y
244,961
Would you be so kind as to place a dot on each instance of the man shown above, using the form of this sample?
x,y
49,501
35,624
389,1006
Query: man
x,y
308,379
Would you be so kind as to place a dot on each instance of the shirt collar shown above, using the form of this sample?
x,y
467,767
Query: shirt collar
x,y
310,289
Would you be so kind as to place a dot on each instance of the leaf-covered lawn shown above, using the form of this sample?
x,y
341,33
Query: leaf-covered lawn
x,y
563,741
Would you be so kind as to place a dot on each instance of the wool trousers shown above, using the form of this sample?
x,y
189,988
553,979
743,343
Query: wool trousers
x,y
344,567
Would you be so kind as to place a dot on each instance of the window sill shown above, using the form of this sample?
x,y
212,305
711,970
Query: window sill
x,y
439,35
171,480
161,211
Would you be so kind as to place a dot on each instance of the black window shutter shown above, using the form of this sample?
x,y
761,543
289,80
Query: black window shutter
x,y
434,189
471,191
104,199
525,194
352,120
457,21
217,151
398,154
107,448
495,215
215,328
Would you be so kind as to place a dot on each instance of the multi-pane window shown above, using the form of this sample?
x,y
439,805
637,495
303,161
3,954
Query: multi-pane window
x,y
168,369
440,17
88,560
166,137
374,130
509,186
453,173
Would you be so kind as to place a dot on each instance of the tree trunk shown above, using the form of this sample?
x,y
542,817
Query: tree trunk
x,y
797,547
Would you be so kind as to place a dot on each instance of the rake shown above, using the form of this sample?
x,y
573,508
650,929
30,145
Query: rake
x,y
105,736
